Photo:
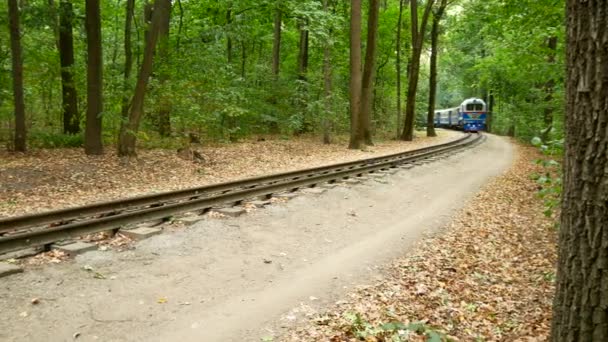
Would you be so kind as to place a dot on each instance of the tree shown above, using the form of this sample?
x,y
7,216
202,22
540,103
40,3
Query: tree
x,y
71,117
276,42
369,72
20,129
438,13
92,139
398,66
164,106
355,74
580,311
128,138
129,12
327,83
414,68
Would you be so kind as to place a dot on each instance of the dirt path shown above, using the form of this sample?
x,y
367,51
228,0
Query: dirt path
x,y
246,278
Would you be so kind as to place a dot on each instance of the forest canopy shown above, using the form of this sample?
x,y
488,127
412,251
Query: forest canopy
x,y
227,70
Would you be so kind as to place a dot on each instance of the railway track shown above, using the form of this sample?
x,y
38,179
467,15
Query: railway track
x,y
43,229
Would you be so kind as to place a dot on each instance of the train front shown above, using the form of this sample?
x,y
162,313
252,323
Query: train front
x,y
473,115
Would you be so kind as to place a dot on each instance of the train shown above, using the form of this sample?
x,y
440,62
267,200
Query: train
x,y
469,116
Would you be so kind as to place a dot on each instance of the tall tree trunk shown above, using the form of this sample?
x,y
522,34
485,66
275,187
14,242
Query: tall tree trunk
x,y
302,75
430,120
398,66
164,110
490,113
71,118
129,13
369,73
276,43
128,137
414,68
580,310
355,74
303,51
243,58
327,84
92,138
549,85
229,35
13,24
179,27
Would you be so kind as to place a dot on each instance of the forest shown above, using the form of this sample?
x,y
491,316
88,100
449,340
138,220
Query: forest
x,y
130,74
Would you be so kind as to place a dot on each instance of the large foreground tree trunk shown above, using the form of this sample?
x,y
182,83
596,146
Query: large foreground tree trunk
x,y
355,74
71,118
128,132
13,23
92,138
580,311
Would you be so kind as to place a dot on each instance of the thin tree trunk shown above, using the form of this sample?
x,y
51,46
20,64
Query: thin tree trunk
x,y
71,118
179,27
549,89
303,51
243,58
229,37
276,43
130,11
128,138
414,72
92,139
355,74
580,307
165,105
369,73
327,85
398,66
20,129
430,128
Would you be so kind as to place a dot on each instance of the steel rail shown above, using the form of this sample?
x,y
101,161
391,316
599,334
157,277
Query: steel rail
x,y
67,215
46,236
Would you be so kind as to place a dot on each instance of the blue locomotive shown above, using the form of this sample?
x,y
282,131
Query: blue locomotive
x,y
470,116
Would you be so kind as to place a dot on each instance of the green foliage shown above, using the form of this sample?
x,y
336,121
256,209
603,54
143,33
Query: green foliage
x,y
393,331
55,140
550,182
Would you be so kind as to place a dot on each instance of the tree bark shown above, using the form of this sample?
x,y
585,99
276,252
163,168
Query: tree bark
x,y
414,68
128,132
17,63
165,105
71,118
303,51
580,310
398,66
355,74
228,36
549,89
129,13
92,138
327,85
430,120
369,73
276,43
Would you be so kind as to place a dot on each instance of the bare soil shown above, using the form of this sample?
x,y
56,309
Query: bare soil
x,y
250,277
57,178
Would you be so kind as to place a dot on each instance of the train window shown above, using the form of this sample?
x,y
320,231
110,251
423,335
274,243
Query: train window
x,y
474,107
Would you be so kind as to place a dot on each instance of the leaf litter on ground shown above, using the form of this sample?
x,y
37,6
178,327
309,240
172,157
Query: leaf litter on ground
x,y
48,179
488,276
